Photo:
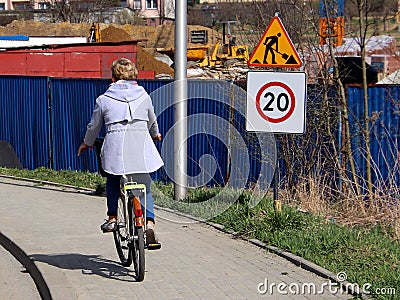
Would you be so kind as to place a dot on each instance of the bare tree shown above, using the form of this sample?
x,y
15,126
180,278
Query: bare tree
x,y
324,159
128,16
75,11
363,11
301,21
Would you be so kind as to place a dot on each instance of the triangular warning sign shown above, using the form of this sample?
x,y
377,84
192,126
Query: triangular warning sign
x,y
275,49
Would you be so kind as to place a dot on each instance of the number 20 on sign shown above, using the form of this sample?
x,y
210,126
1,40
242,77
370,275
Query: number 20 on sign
x,y
276,102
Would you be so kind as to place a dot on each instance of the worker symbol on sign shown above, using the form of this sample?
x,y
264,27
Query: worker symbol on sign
x,y
270,42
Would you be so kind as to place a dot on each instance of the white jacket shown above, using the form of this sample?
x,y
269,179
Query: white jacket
x,y
128,114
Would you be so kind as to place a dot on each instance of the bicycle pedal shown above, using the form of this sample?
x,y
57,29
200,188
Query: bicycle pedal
x,y
154,246
121,224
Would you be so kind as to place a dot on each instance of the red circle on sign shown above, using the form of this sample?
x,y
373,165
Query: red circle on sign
x,y
292,102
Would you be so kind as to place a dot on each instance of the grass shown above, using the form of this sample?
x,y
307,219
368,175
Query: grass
x,y
366,254
68,177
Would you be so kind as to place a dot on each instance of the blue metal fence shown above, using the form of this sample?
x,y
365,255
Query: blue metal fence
x,y
72,101
384,109
45,120
24,118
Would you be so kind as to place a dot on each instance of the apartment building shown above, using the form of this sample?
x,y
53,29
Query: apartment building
x,y
24,4
225,1
154,12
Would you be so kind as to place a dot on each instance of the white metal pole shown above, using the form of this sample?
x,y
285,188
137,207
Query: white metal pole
x,y
180,101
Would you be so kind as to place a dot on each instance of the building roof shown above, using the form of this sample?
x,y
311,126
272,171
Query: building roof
x,y
393,78
373,44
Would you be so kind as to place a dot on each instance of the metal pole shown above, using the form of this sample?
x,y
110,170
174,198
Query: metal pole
x,y
277,202
180,101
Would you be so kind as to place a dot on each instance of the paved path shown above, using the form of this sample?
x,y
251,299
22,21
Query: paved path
x,y
59,229
11,276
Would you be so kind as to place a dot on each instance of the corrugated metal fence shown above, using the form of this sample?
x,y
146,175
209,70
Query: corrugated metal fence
x,y
24,118
384,112
45,120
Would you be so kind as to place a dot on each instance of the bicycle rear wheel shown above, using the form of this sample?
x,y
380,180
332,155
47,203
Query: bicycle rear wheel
x,y
122,235
138,254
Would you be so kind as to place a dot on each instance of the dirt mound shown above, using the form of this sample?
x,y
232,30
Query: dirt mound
x,y
113,34
145,61
161,36
33,28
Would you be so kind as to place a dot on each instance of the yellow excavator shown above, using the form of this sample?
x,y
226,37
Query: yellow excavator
x,y
226,54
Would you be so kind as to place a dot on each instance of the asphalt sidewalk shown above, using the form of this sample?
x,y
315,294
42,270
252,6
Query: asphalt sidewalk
x,y
59,229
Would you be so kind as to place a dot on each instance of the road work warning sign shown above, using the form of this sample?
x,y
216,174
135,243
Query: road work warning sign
x,y
275,48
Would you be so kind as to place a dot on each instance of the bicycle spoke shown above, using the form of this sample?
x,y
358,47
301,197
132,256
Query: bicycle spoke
x,y
121,236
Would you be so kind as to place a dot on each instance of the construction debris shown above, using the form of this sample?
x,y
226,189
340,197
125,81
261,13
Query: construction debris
x,y
153,38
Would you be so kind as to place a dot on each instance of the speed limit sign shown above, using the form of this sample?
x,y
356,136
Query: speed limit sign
x,y
276,102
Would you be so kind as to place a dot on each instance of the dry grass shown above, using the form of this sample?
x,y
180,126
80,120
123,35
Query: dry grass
x,y
346,208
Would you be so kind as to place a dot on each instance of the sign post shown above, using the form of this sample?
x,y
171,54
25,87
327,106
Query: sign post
x,y
276,101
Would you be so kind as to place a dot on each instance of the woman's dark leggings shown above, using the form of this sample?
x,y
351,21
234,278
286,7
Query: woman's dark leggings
x,y
113,191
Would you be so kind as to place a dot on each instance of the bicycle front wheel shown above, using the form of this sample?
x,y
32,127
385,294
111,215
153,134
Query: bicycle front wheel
x,y
138,253
123,235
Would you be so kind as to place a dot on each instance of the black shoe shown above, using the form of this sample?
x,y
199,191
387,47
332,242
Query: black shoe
x,y
109,226
152,242
150,235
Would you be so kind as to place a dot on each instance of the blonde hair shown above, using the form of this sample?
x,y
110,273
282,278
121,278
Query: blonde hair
x,y
123,69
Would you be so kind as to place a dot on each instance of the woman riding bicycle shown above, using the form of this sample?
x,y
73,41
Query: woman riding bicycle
x,y
131,125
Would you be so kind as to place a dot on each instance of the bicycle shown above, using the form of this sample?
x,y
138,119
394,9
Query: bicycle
x,y
130,236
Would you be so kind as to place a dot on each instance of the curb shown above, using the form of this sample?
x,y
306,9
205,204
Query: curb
x,y
28,264
297,260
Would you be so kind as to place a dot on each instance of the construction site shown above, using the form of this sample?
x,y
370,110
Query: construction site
x,y
210,54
